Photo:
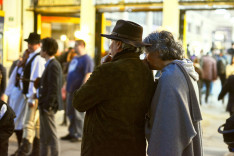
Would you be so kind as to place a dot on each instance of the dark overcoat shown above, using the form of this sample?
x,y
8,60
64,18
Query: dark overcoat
x,y
50,87
116,98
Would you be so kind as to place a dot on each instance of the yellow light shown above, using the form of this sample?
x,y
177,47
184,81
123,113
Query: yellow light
x,y
63,37
81,35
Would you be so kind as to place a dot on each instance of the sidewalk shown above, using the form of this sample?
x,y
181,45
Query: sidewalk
x,y
213,114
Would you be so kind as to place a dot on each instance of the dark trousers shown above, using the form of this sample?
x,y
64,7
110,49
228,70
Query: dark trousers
x,y
4,147
19,134
207,83
200,83
76,119
231,113
222,78
48,134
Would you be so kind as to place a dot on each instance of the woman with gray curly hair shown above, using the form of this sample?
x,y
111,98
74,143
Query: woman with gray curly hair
x,y
173,128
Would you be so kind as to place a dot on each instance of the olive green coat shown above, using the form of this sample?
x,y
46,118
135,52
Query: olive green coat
x,y
116,98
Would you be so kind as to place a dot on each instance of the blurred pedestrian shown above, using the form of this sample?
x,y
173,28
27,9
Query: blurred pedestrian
x,y
175,115
50,98
16,98
7,116
33,69
209,72
221,67
2,81
65,59
188,51
116,97
231,51
230,69
79,71
198,69
13,65
228,87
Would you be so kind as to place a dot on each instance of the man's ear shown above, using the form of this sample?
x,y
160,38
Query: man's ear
x,y
119,45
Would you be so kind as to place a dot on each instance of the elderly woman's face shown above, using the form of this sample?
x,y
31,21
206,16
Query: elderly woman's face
x,y
154,61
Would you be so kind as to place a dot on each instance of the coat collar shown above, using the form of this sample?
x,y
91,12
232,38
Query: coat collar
x,y
125,54
50,60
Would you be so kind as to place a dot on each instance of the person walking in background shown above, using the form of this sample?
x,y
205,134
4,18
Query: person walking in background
x,y
228,87
174,125
231,51
65,59
33,69
16,98
209,72
116,97
79,71
230,69
2,81
221,67
198,69
50,98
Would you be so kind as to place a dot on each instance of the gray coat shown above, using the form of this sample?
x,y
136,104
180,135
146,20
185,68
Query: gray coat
x,y
172,129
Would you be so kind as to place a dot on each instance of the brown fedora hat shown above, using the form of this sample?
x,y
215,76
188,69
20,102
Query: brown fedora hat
x,y
127,32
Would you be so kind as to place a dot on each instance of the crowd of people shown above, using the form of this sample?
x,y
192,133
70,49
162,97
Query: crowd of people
x,y
114,108
216,64
35,93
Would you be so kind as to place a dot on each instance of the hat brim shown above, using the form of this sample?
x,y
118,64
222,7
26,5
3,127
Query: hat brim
x,y
32,42
131,42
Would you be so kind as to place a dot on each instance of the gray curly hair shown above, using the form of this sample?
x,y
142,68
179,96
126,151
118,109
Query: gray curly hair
x,y
164,43
138,50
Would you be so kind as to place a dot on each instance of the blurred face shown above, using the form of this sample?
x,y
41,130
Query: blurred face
x,y
23,59
154,61
115,47
42,53
78,48
33,47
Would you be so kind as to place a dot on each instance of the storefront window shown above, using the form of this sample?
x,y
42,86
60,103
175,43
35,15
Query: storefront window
x,y
98,2
57,2
63,29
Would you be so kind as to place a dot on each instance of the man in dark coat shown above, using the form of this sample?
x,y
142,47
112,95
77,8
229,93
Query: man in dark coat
x,y
116,98
50,98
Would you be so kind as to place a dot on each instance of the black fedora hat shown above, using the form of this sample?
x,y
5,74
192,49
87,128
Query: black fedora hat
x,y
127,32
33,38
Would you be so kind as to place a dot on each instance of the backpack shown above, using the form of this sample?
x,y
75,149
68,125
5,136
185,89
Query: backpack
x,y
228,132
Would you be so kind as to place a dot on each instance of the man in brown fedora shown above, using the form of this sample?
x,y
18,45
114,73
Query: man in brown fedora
x,y
116,97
